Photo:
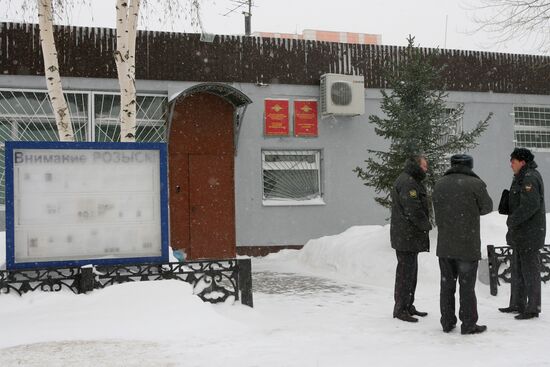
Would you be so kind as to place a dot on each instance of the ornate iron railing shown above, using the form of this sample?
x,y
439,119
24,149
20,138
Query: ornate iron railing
x,y
213,281
500,258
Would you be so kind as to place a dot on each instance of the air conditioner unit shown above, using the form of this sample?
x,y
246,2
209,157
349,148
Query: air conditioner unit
x,y
342,94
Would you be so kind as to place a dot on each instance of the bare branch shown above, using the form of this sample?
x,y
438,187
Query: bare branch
x,y
514,19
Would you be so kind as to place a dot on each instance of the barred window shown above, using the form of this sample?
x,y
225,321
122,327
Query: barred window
x,y
455,128
27,115
532,127
150,119
291,176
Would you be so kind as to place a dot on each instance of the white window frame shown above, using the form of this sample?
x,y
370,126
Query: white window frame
x,y
15,131
539,128
317,165
91,122
444,139
115,121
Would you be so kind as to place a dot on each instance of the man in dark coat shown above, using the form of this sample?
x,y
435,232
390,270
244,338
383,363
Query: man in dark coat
x,y
526,233
459,198
409,234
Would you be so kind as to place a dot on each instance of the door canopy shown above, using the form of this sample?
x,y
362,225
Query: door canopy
x,y
235,97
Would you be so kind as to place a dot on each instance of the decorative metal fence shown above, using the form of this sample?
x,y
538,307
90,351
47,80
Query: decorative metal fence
x,y
500,258
213,280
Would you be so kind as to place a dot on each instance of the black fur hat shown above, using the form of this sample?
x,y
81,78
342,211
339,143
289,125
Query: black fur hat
x,y
522,154
463,160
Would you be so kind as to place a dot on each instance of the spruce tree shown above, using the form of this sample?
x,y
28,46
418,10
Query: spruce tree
x,y
417,121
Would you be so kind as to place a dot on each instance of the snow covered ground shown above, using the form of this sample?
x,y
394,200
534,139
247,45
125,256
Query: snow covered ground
x,y
329,304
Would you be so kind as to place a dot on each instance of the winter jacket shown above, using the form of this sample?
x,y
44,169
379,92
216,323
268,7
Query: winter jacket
x,y
410,214
526,217
459,198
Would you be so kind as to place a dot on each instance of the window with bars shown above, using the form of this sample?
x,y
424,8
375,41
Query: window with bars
x,y
150,119
532,127
28,116
455,128
291,175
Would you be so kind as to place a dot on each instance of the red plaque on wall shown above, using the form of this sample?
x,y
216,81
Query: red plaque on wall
x,y
276,117
305,118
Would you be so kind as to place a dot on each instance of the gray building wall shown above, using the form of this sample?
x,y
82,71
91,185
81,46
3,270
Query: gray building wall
x,y
343,142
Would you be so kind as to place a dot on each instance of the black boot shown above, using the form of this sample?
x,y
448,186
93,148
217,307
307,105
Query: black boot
x,y
526,316
509,309
414,312
448,328
476,329
405,316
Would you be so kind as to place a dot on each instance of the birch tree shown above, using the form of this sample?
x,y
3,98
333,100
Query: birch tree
x,y
125,58
514,19
127,15
51,70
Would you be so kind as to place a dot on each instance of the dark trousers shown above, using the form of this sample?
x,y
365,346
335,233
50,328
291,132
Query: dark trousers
x,y
405,281
525,292
465,272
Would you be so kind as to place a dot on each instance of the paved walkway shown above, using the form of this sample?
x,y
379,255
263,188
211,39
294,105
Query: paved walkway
x,y
295,284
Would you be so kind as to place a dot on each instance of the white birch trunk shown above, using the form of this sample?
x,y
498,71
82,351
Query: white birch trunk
x,y
127,17
51,68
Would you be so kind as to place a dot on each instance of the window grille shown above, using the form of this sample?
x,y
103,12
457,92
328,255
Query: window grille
x,y
455,128
532,127
28,116
291,174
455,125
150,120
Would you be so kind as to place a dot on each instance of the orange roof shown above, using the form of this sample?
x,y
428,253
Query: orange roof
x,y
328,36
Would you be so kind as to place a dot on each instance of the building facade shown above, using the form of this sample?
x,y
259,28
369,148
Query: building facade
x,y
288,188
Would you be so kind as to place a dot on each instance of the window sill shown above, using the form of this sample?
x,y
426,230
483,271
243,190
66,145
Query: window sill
x,y
310,202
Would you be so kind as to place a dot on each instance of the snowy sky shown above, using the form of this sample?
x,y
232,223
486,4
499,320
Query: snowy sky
x,y
434,23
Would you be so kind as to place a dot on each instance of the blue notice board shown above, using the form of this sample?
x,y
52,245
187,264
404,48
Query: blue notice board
x,y
79,203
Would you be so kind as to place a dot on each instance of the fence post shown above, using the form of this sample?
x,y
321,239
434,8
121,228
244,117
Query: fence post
x,y
493,270
245,281
85,280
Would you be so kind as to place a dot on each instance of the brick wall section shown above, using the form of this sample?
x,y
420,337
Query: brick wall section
x,y
88,52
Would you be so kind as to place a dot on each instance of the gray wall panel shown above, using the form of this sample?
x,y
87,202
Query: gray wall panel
x,y
343,142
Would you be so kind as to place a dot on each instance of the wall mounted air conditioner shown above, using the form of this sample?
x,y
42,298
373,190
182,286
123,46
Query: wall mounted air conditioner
x,y
342,94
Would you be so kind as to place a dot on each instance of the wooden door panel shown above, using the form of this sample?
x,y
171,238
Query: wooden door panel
x,y
212,206
202,189
179,201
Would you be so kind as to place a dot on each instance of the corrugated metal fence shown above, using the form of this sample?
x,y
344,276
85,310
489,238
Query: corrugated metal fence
x,y
88,52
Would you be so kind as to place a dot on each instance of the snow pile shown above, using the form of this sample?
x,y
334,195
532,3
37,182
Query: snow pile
x,y
140,311
361,253
364,254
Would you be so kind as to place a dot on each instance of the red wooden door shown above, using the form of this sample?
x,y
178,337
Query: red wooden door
x,y
212,206
202,188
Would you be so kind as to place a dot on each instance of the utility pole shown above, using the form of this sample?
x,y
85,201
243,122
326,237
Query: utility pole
x,y
247,19
446,22
247,14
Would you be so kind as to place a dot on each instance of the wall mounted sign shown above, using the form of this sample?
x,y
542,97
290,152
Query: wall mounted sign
x,y
70,204
276,117
305,118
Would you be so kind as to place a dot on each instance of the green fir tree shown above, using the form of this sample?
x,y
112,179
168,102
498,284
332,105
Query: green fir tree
x,y
417,121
